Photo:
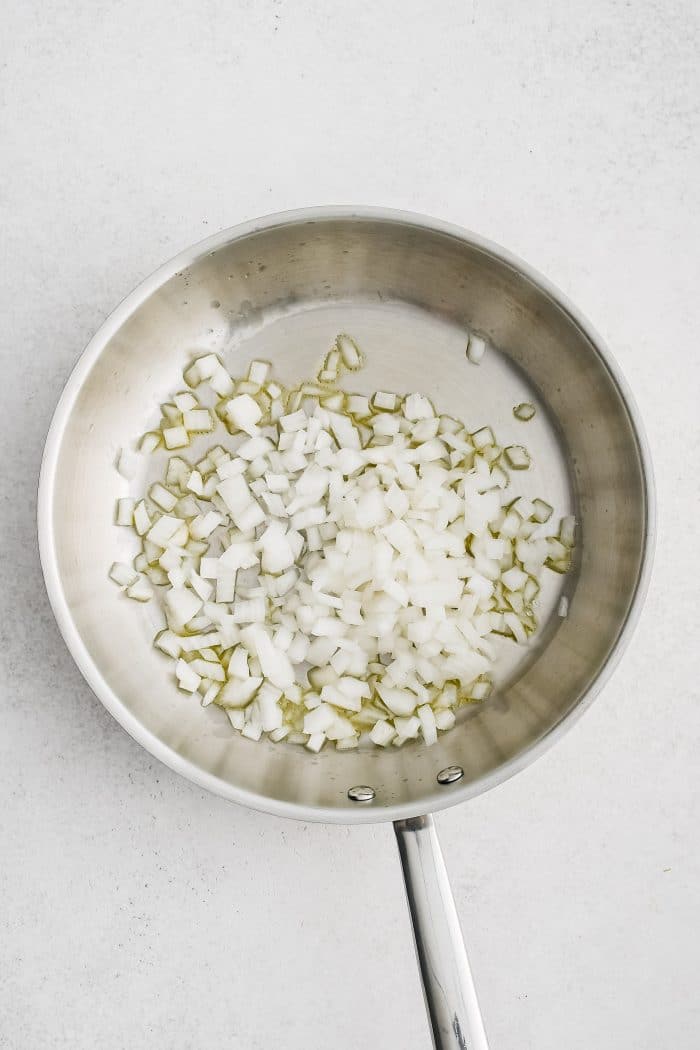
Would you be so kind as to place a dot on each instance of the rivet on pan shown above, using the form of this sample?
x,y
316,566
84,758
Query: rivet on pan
x,y
361,793
450,774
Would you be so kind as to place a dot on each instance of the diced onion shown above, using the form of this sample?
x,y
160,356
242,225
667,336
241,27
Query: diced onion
x,y
122,574
125,511
524,411
517,457
476,348
334,569
140,590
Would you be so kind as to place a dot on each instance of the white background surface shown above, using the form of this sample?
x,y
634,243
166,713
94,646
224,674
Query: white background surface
x,y
134,911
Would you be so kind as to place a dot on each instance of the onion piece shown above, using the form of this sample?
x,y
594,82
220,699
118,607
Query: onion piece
x,y
175,437
524,411
125,511
122,574
150,442
517,457
476,348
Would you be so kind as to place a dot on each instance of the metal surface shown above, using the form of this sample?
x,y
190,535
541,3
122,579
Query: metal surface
x,y
450,775
408,289
450,996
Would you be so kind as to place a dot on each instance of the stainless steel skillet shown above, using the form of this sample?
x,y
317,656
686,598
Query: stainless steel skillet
x,y
407,288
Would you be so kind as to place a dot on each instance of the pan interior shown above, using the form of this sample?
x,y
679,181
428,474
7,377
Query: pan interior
x,y
407,294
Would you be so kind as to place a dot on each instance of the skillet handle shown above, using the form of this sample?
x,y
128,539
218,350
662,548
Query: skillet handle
x,y
450,996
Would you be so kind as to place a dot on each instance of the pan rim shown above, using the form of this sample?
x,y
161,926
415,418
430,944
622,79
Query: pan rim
x,y
61,610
